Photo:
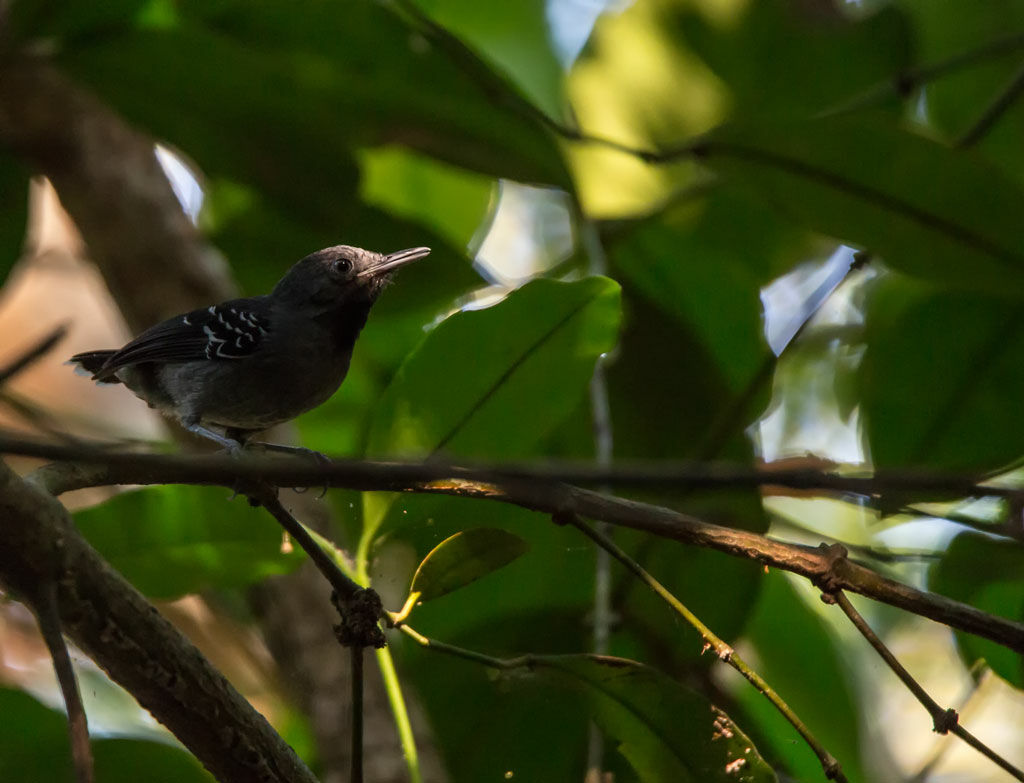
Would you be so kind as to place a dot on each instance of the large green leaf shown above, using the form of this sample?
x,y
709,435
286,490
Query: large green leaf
x,y
492,383
34,746
693,263
772,80
34,743
671,399
453,202
956,102
259,93
123,760
941,381
668,733
171,540
514,36
926,209
985,572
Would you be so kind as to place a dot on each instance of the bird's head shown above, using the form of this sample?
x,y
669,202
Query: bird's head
x,y
342,274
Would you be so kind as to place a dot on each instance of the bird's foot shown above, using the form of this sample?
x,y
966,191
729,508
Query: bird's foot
x,y
322,460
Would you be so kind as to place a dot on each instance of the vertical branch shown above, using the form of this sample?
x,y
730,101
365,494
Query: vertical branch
x,y
357,714
601,422
45,606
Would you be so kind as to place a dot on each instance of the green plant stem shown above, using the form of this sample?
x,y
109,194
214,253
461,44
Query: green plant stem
x,y
392,685
393,688
726,653
343,585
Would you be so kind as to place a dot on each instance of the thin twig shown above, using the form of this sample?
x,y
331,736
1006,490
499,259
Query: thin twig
x,y
344,586
111,622
724,425
45,605
1003,101
357,654
725,652
944,721
905,82
32,354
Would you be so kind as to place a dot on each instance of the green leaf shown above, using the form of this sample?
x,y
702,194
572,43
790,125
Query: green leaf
x,y
668,733
493,382
169,540
926,209
490,383
34,742
413,186
515,37
941,382
34,746
956,102
985,572
693,263
122,760
463,558
767,79
258,93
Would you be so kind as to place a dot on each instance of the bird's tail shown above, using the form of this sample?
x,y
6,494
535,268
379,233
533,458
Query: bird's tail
x,y
90,363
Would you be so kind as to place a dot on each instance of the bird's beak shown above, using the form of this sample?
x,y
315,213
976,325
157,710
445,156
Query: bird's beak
x,y
392,261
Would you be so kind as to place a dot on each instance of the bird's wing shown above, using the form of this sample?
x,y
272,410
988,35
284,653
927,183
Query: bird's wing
x,y
232,330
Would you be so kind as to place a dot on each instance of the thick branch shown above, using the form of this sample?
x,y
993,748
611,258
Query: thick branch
x,y
538,493
137,647
109,180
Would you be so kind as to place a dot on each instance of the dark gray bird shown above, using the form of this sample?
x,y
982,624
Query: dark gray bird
x,y
231,370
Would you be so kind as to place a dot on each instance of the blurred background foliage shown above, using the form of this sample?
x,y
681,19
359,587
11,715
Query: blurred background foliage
x,y
716,288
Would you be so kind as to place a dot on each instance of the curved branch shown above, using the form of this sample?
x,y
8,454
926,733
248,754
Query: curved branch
x,y
111,621
538,493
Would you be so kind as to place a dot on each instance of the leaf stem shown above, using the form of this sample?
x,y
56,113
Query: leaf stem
x,y
393,688
725,653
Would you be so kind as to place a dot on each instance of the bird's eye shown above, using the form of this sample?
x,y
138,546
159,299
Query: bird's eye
x,y
342,266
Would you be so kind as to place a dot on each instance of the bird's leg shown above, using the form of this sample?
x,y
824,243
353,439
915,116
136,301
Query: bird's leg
x,y
280,448
233,447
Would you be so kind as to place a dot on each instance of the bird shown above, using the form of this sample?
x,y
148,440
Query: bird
x,y
231,370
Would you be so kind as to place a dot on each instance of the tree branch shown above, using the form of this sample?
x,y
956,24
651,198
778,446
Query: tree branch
x,y
537,492
44,602
109,620
944,721
111,183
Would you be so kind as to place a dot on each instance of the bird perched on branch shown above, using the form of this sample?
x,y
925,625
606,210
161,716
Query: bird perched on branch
x,y
231,370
